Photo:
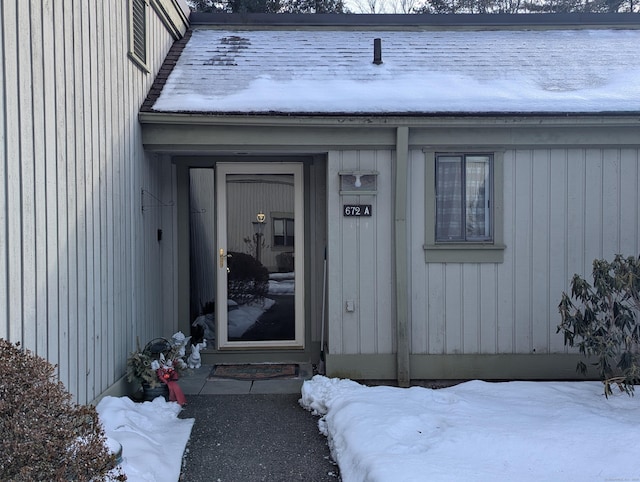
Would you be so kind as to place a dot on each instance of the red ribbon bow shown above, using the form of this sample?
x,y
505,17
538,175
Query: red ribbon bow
x,y
169,376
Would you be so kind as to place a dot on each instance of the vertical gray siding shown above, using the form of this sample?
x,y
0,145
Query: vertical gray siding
x,y
80,266
360,269
562,209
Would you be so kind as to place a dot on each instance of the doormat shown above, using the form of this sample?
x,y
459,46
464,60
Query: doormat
x,y
254,371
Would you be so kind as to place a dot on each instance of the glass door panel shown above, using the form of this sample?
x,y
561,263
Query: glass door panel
x,y
202,255
260,260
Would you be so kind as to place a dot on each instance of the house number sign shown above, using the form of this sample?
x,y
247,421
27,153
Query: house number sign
x,y
357,210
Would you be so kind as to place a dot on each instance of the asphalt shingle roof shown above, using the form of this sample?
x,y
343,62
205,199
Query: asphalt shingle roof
x,y
288,70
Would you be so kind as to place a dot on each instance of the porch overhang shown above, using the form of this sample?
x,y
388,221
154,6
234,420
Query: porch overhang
x,y
180,132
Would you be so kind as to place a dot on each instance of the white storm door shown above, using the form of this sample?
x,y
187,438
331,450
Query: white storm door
x,y
260,255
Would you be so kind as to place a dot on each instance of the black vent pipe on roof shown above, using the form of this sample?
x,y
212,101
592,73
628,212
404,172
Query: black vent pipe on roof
x,y
377,51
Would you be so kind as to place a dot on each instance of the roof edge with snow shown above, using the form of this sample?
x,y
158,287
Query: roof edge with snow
x,y
282,65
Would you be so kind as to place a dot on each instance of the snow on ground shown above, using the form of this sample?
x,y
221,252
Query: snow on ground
x,y
281,283
243,318
289,275
475,431
152,436
286,287
478,431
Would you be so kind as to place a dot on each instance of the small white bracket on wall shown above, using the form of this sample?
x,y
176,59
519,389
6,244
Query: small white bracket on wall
x,y
148,200
358,182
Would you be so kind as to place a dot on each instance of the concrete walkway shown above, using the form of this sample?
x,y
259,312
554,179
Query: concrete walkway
x,y
195,382
252,431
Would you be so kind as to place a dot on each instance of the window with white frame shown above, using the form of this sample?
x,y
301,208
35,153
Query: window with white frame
x,y
463,206
138,32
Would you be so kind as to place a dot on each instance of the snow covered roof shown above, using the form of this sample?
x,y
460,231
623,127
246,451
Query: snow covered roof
x,y
293,70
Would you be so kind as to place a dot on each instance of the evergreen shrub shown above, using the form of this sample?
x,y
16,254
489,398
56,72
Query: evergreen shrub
x,y
45,436
603,323
248,279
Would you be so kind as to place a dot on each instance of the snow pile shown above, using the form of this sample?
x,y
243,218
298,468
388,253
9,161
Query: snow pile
x,y
243,318
478,431
152,436
282,283
445,93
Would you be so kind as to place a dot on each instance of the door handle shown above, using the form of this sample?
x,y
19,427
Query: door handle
x,y
222,256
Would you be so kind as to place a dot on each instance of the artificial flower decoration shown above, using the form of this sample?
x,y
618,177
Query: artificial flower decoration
x,y
160,362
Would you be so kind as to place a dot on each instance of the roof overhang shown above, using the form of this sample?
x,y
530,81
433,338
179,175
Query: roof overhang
x,y
174,14
460,119
313,134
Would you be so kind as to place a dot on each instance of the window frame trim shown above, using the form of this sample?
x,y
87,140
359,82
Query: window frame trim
x,y
462,159
464,251
284,216
132,54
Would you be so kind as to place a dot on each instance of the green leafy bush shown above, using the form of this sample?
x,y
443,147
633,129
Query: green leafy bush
x,y
44,435
248,279
604,324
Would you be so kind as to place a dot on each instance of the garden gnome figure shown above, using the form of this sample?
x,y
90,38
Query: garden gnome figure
x,y
194,360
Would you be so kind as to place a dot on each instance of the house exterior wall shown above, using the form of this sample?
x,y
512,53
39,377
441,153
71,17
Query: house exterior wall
x,y
563,207
569,195
359,257
80,262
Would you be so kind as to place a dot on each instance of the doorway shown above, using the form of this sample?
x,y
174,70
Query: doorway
x,y
247,254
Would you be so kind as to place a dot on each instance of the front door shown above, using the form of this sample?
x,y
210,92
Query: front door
x,y
259,256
